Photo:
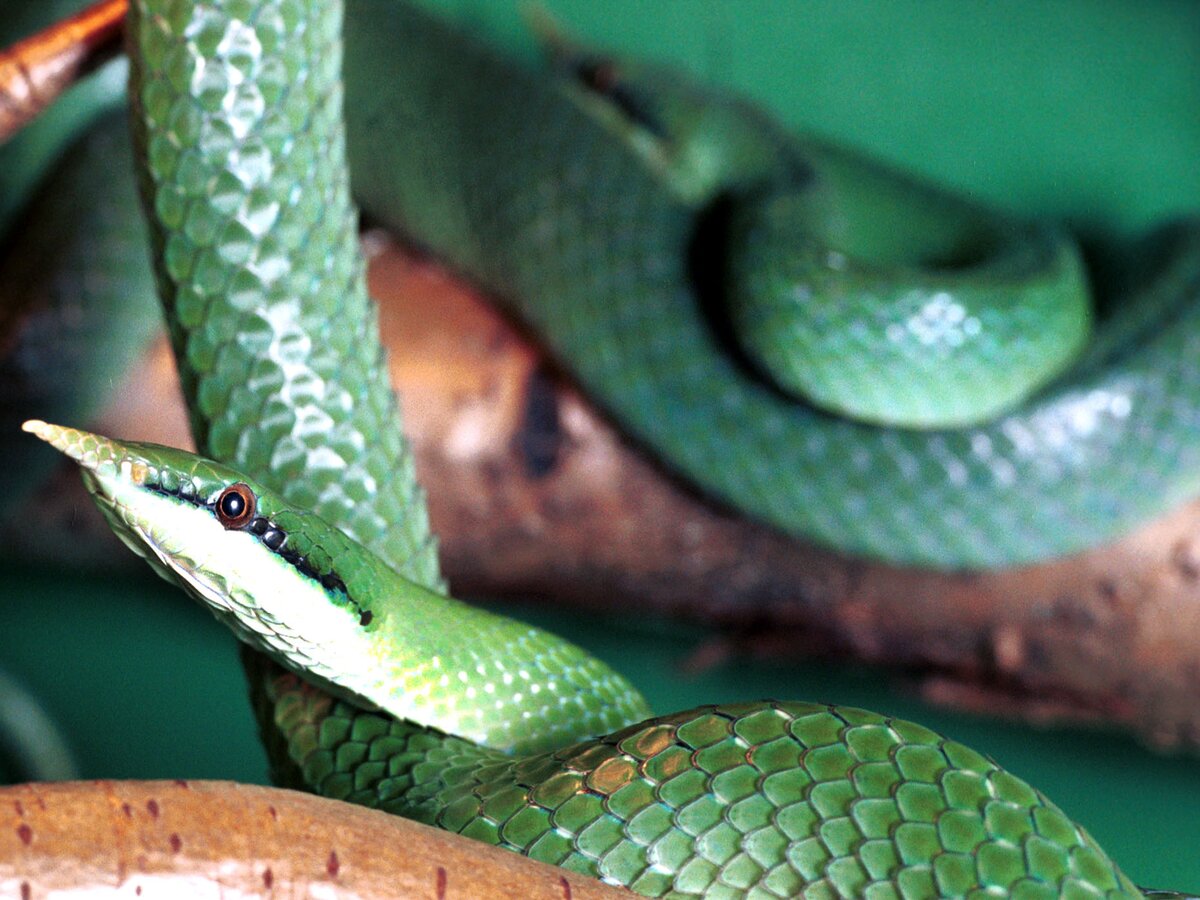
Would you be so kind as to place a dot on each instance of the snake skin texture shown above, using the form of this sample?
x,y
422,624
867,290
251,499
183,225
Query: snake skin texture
x,y
755,800
238,116
237,109
962,343
741,800
500,171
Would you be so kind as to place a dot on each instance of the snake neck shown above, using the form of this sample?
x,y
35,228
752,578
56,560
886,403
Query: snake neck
x,y
317,743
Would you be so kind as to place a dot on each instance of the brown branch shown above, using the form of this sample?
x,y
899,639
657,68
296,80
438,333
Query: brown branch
x,y
36,70
204,838
535,494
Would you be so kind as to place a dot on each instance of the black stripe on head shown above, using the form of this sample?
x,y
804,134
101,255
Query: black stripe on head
x,y
274,539
603,76
185,492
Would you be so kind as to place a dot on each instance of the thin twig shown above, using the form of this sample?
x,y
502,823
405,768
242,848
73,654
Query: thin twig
x,y
35,71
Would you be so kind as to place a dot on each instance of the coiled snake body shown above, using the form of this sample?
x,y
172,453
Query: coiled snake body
x,y
614,195
607,247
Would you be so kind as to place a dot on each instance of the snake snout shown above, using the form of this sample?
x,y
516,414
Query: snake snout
x,y
82,446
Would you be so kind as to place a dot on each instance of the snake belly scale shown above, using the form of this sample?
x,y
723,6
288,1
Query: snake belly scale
x,y
237,115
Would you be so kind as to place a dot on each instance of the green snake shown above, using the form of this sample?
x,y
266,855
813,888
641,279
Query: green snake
x,y
610,208
703,200
482,725
309,537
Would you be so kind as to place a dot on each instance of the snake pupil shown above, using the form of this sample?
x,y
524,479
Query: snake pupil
x,y
235,506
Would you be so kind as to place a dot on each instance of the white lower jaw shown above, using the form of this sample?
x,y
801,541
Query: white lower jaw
x,y
260,596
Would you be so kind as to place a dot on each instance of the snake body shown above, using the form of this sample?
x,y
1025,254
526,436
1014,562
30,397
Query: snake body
x,y
237,118
613,251
764,799
323,559
718,225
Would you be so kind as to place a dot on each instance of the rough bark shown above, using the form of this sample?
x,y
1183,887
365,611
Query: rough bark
x,y
179,839
535,494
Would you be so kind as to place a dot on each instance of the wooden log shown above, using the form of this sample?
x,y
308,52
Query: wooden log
x,y
180,839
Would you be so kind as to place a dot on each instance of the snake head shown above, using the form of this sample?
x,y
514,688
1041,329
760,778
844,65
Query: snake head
x,y
289,583
700,141
267,570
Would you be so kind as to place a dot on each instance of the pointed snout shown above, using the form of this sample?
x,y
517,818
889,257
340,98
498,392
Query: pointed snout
x,y
87,449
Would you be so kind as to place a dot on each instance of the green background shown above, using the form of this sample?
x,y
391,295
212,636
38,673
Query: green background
x,y
1084,111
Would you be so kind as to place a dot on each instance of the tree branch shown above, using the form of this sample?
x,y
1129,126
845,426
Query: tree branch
x,y
535,494
209,838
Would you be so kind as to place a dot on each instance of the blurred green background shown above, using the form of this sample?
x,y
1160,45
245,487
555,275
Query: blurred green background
x,y
1085,111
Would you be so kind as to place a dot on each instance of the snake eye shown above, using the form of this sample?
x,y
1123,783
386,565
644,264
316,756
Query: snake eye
x,y
235,506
